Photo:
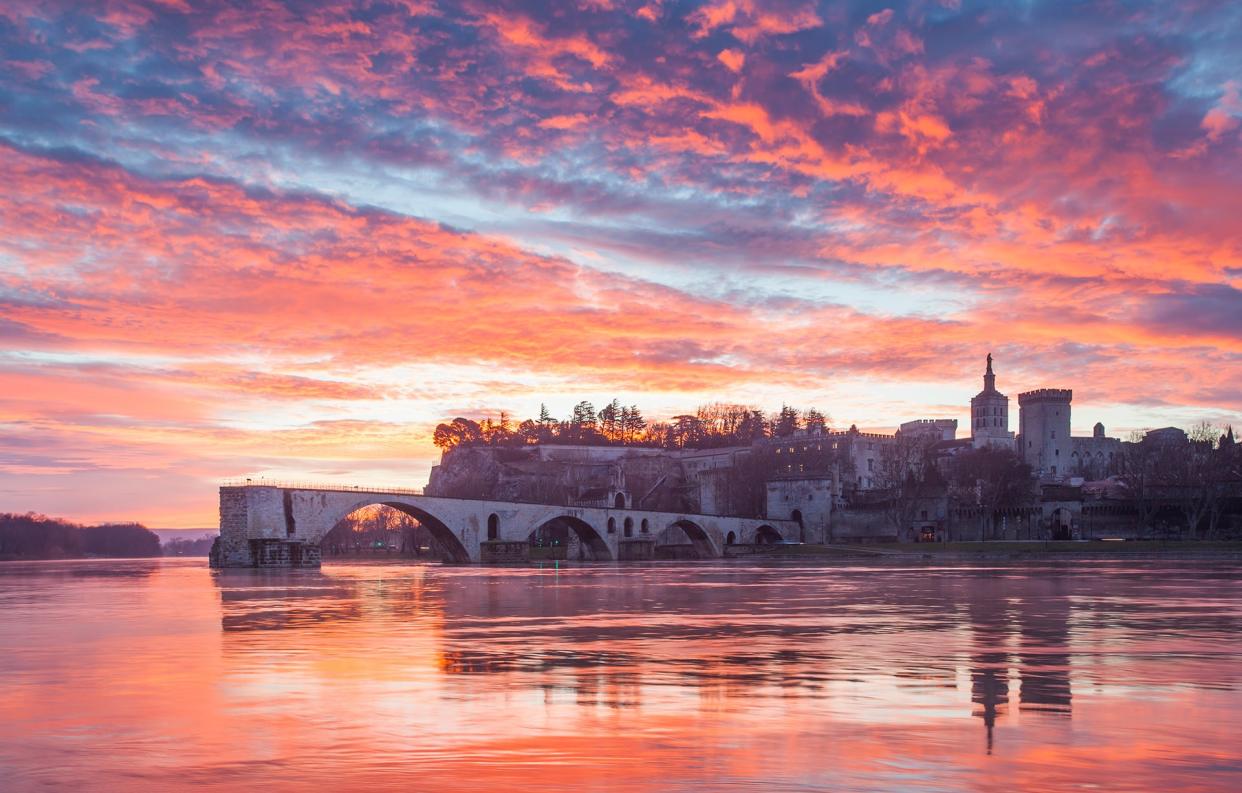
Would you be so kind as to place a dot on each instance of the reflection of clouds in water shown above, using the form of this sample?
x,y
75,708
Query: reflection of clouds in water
x,y
766,677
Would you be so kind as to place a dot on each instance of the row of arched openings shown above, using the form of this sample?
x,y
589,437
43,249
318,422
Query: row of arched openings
x,y
456,552
628,527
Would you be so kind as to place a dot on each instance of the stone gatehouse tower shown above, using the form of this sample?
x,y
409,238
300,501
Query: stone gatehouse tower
x,y
989,414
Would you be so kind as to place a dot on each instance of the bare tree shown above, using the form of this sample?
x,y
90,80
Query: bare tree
x,y
993,479
907,476
1140,477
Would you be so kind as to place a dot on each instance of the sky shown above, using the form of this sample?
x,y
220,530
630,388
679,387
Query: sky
x,y
288,239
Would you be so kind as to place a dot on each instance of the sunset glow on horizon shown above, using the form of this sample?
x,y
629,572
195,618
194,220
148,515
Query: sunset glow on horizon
x,y
288,239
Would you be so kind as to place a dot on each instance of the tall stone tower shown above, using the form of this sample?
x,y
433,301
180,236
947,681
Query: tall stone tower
x,y
1044,431
989,414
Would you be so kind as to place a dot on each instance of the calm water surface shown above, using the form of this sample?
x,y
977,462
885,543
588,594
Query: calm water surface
x,y
157,675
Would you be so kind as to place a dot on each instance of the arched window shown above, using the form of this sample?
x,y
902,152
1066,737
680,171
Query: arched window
x,y
643,528
629,527
730,538
493,526
620,501
612,525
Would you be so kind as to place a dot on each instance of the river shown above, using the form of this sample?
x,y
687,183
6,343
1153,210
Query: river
x,y
154,675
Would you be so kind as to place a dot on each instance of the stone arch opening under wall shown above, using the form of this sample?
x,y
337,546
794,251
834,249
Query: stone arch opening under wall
x,y
1062,524
766,535
591,546
449,543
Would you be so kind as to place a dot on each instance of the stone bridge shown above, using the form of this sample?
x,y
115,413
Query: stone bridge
x,y
266,525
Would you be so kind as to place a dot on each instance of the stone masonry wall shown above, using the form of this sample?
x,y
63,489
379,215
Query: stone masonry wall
x,y
232,547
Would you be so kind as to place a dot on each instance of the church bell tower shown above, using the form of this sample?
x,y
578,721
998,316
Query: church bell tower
x,y
989,414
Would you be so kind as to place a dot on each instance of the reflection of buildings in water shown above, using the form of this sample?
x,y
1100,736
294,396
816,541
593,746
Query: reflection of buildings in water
x,y
989,660
1040,611
593,635
1044,654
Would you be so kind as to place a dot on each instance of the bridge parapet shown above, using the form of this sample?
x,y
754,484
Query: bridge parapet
x,y
290,484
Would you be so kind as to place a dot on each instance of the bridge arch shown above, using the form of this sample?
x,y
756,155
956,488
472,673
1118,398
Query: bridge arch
x,y
454,551
593,546
701,544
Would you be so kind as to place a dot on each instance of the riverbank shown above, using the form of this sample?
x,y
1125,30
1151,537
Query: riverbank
x,y
1000,550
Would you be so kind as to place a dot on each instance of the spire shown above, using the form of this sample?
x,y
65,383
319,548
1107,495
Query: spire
x,y
989,379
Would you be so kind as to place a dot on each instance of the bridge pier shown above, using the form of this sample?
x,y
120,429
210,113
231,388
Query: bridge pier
x,y
269,525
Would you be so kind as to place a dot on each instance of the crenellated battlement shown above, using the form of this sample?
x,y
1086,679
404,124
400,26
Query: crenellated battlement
x,y
1046,395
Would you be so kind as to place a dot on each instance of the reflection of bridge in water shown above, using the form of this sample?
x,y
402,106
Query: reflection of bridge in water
x,y
273,525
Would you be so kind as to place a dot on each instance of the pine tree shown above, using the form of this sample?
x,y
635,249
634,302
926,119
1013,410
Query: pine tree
x,y
637,423
608,418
